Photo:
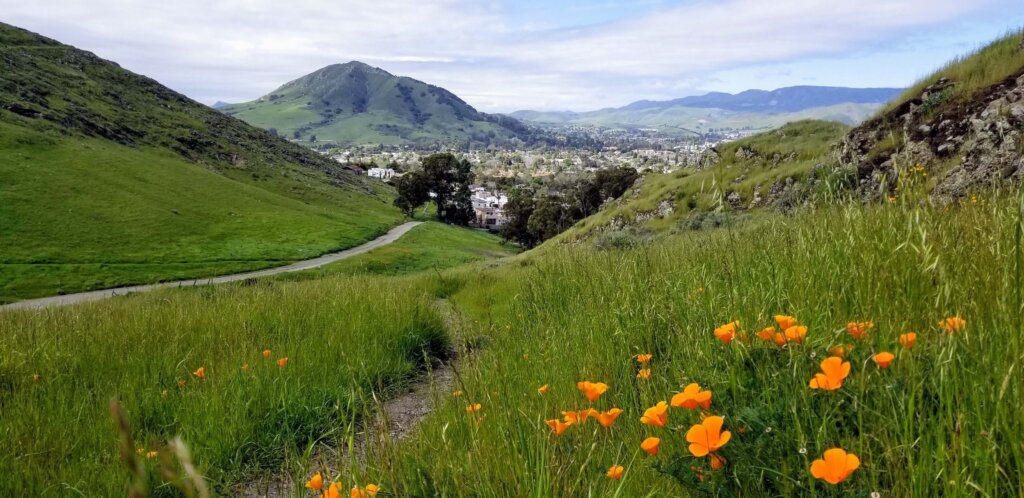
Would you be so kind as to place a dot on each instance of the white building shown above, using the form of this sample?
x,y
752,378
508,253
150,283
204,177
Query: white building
x,y
381,173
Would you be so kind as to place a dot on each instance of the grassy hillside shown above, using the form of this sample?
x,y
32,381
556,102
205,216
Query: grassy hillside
x,y
356,104
111,179
430,246
745,169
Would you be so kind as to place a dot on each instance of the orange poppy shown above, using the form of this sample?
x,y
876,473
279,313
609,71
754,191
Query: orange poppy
x,y
883,359
456,393
650,445
656,415
266,353
334,491
644,374
908,340
859,330
834,371
692,397
796,333
372,489
644,359
282,362
579,417
785,321
558,426
473,408
369,491
717,462
780,340
835,467
592,390
543,389
615,472
200,372
151,454
606,419
952,324
707,436
840,350
767,334
316,482
726,333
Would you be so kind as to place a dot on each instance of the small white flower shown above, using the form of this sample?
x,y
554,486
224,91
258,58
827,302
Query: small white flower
x,y
814,355
876,494
803,451
768,429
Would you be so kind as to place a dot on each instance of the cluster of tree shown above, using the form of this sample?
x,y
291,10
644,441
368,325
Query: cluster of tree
x,y
535,215
442,179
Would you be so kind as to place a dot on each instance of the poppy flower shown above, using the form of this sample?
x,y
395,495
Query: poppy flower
x,y
592,390
834,370
644,359
717,462
456,393
245,367
836,466
574,417
785,321
200,372
316,482
908,340
692,397
726,333
952,324
558,426
796,333
333,491
473,408
606,419
840,350
282,362
266,353
883,359
859,330
369,491
644,374
656,415
767,334
707,436
650,445
615,472
372,489
543,389
151,454
780,340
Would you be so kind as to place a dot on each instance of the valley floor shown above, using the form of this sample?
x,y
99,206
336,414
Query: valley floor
x,y
941,417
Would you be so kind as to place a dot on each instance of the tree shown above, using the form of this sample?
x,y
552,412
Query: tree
x,y
412,192
447,178
550,217
518,210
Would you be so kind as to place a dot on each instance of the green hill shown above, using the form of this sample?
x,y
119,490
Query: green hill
x,y
110,179
356,104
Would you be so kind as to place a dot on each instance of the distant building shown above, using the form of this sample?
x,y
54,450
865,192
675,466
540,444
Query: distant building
x,y
489,208
381,173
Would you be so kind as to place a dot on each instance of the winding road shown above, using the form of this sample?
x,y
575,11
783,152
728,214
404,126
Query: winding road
x,y
47,302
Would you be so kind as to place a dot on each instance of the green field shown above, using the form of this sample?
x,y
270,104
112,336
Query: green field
x,y
430,246
82,214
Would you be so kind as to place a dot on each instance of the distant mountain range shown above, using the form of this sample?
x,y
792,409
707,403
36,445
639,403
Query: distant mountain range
x,y
752,109
357,104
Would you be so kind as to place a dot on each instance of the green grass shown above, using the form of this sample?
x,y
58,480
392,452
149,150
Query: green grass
x,y
974,72
788,152
82,214
344,339
430,246
945,419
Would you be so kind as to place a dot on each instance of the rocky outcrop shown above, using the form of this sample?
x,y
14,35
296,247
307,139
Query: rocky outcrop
x,y
967,142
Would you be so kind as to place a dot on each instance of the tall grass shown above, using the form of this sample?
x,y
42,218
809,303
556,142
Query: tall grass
x,y
60,368
944,419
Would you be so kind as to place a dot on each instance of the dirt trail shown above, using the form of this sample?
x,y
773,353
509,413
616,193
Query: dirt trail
x,y
47,302
393,419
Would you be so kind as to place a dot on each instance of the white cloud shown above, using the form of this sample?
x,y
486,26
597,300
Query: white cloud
x,y
239,49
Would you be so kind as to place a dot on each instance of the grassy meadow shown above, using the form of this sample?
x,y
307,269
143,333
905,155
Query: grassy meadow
x,y
108,215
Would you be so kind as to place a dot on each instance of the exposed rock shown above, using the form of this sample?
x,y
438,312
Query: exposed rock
x,y
756,198
740,179
745,153
665,209
734,200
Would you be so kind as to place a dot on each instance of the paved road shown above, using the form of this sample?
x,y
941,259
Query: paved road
x,y
82,297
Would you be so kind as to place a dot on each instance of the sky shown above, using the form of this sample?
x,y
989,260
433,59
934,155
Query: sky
x,y
507,55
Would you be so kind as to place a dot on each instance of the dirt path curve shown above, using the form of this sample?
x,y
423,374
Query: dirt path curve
x,y
47,302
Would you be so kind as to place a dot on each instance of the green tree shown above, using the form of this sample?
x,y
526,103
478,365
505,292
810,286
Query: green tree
x,y
518,210
447,179
412,192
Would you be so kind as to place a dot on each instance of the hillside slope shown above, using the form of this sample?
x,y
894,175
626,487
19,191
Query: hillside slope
x,y
356,104
749,110
111,179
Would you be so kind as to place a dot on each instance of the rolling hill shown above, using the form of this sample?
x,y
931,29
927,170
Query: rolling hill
x,y
749,110
356,104
110,178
